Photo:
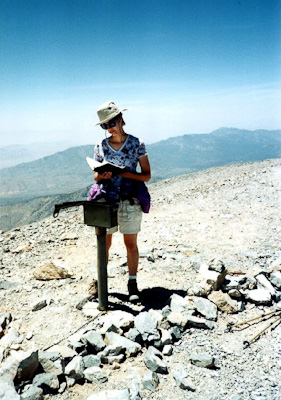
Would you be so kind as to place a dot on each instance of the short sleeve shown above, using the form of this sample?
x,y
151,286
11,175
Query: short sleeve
x,y
98,153
141,150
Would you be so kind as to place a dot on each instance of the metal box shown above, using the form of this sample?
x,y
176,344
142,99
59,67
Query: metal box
x,y
100,214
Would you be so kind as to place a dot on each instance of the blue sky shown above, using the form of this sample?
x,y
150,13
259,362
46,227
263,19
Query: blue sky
x,y
180,66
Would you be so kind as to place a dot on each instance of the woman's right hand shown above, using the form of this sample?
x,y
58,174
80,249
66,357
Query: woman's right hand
x,y
106,175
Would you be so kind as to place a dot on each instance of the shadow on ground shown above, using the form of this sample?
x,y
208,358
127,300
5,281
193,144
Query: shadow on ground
x,y
153,298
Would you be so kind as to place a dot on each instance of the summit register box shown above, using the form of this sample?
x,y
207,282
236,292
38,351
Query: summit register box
x,y
100,214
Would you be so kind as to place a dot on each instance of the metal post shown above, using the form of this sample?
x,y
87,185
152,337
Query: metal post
x,y
102,268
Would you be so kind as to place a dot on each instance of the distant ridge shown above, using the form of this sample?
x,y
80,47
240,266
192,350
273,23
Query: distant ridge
x,y
67,171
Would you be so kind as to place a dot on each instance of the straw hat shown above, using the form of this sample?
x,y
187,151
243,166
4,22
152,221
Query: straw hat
x,y
107,111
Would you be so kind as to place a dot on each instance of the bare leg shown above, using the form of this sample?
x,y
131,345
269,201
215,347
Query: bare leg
x,y
130,241
108,245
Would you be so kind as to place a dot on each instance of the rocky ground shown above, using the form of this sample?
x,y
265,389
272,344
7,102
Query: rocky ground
x,y
229,213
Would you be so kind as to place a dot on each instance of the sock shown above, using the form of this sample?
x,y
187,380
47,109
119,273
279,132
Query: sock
x,y
132,277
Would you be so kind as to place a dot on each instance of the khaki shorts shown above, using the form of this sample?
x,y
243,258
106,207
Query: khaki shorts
x,y
128,217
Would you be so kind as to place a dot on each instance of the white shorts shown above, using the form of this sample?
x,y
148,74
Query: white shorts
x,y
129,218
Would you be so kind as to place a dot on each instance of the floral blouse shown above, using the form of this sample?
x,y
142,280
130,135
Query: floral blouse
x,y
128,155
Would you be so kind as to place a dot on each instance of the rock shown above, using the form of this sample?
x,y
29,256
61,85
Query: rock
x,y
153,361
146,325
167,350
95,374
224,302
180,377
166,337
150,381
217,265
5,319
234,293
38,306
111,395
120,319
202,360
200,323
134,335
23,248
206,308
66,352
90,309
263,283
112,353
201,289
47,382
32,393
175,332
51,271
51,362
93,339
69,236
275,279
92,361
180,304
211,277
131,348
27,367
258,296
10,338
93,288
75,369
178,319
8,391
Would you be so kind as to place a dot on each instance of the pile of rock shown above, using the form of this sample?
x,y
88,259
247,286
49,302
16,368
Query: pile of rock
x,y
113,337
109,340
230,291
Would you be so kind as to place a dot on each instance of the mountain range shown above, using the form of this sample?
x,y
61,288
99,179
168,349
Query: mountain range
x,y
28,189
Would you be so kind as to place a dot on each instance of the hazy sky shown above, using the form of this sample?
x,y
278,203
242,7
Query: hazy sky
x,y
180,66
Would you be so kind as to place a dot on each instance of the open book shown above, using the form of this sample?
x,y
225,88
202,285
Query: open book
x,y
104,166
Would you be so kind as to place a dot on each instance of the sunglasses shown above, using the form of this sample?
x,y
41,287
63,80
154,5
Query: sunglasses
x,y
110,124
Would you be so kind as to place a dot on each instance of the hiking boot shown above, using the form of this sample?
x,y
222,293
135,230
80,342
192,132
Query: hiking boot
x,y
134,294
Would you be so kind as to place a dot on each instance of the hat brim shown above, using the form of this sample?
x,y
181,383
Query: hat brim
x,y
111,117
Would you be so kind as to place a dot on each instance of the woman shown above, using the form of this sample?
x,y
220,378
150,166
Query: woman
x,y
125,150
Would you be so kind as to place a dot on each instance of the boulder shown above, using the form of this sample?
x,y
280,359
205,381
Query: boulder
x,y
153,361
92,361
75,369
258,296
224,302
120,319
51,362
146,325
201,323
180,377
8,391
206,308
95,374
202,360
275,279
212,277
50,271
178,319
47,382
150,381
130,348
263,283
28,365
32,393
94,340
180,304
